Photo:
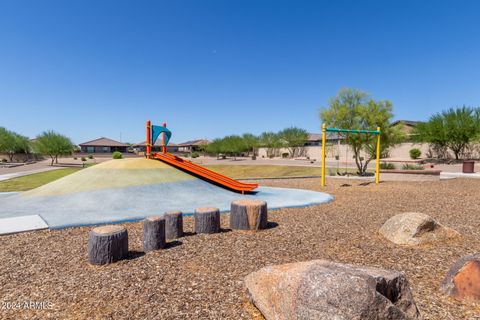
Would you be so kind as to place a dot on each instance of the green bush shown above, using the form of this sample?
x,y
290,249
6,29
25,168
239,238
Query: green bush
x,y
83,159
387,166
117,155
195,155
4,160
412,167
415,153
285,155
74,158
90,156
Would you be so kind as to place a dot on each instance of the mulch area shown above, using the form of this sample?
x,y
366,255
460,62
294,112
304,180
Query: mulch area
x,y
201,276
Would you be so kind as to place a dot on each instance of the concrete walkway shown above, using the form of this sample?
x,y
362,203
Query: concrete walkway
x,y
9,176
475,175
22,224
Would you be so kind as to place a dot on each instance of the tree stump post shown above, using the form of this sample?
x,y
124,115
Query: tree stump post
x,y
153,233
248,214
207,220
107,244
173,224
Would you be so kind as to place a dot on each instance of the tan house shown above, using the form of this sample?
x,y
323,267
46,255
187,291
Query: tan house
x,y
315,139
406,125
193,145
157,147
103,145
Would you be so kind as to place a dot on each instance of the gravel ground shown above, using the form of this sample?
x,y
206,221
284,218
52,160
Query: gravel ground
x,y
200,276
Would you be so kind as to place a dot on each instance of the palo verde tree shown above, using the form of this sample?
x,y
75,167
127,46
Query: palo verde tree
x,y
354,109
251,142
233,145
214,147
454,129
271,141
13,143
230,145
54,145
294,140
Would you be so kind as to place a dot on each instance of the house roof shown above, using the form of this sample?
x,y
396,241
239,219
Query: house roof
x,y
406,122
157,143
194,143
104,142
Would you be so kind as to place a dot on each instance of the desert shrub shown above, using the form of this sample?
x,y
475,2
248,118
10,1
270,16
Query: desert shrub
x,y
412,167
387,166
90,156
415,153
195,155
117,155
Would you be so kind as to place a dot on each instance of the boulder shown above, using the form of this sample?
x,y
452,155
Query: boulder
x,y
414,228
321,289
463,279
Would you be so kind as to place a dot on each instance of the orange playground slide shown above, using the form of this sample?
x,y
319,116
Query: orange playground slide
x,y
205,173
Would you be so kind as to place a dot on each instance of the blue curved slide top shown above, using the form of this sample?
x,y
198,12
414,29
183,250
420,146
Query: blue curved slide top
x,y
157,130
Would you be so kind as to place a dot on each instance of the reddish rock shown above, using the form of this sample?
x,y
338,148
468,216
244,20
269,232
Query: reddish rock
x,y
463,279
321,289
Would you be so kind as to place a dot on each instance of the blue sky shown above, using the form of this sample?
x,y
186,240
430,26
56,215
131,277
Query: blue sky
x,y
211,68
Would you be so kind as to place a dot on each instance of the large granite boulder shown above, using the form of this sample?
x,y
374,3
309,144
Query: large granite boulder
x,y
321,289
414,228
463,279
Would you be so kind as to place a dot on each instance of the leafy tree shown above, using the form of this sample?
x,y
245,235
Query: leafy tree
x,y
54,144
354,109
453,128
12,143
251,142
230,145
214,147
294,140
233,145
271,141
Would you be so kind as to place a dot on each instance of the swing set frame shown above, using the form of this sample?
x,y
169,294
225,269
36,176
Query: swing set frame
x,y
347,131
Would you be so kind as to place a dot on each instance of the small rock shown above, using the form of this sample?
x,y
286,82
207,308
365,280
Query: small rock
x,y
321,289
414,228
463,279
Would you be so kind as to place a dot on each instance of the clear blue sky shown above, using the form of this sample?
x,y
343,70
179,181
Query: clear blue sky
x,y
210,68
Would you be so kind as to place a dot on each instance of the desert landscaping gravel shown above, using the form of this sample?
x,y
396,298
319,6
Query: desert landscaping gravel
x,y
201,276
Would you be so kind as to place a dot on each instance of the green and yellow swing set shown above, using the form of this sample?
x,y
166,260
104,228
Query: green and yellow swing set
x,y
347,131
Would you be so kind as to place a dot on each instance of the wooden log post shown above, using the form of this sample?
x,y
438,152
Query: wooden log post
x,y
173,224
153,233
207,220
107,244
248,214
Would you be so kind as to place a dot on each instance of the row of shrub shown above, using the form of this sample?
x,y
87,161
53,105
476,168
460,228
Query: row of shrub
x,y
292,138
406,166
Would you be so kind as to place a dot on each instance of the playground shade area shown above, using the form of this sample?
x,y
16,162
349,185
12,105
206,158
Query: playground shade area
x,y
131,189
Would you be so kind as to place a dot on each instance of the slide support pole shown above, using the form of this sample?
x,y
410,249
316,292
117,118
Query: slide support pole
x,y
164,147
377,163
324,139
148,142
